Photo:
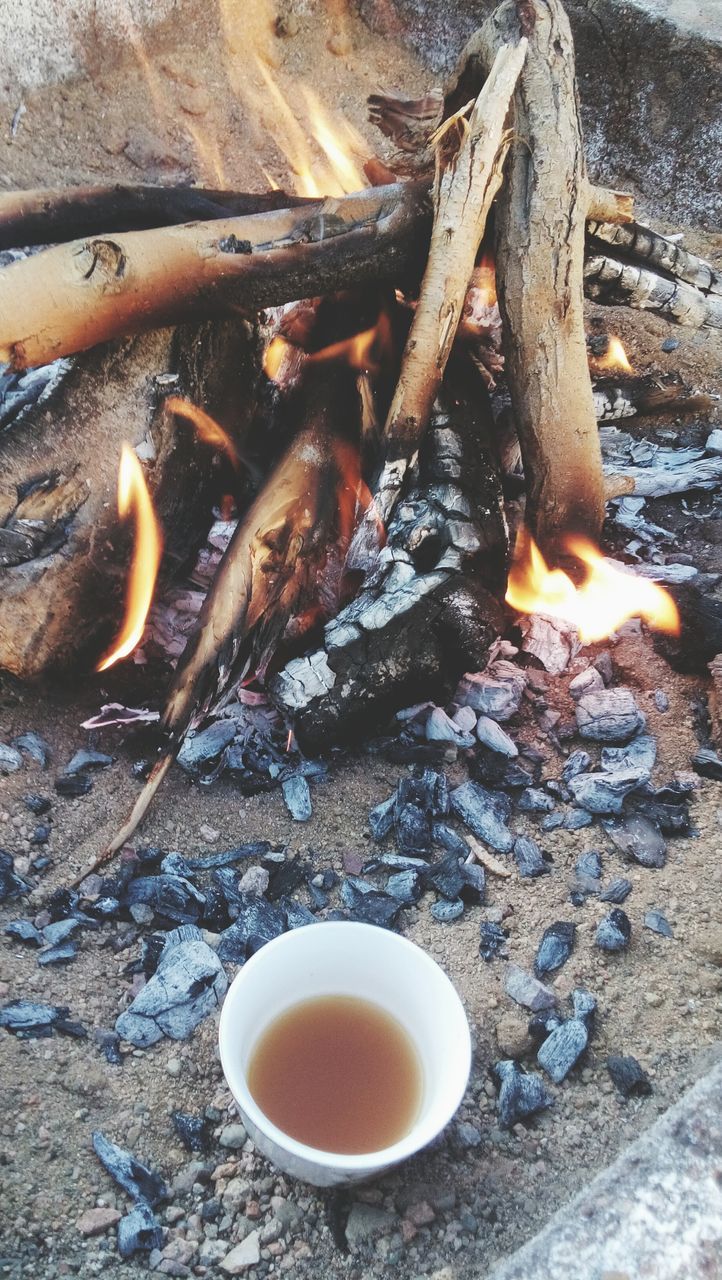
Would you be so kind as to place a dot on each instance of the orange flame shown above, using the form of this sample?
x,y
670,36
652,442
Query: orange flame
x,y
607,598
360,351
207,428
484,279
133,494
615,357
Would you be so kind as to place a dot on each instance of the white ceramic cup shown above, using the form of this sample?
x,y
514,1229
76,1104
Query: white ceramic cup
x,y
347,959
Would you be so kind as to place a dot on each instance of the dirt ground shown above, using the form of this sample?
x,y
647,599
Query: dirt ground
x,y
487,1190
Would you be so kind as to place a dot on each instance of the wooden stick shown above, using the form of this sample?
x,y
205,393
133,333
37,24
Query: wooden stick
x,y
540,221
624,284
80,294
622,396
642,243
607,206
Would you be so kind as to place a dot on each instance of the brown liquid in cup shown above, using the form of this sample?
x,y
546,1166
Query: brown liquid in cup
x,y
339,1074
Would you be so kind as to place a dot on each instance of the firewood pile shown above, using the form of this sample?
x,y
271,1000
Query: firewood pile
x,y
327,363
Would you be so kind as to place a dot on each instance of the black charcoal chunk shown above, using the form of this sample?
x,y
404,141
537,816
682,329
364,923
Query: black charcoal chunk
x,y
534,800
297,916
474,888
585,1007
562,1048
188,984
609,715
405,887
668,807
555,947
369,905
446,877
381,819
109,1044
257,922
578,762
485,814
552,821
24,931
617,891
521,1093
589,865
427,789
497,771
76,784
614,931
201,751
171,896
543,1023
658,923
577,819
527,990
31,744
297,796
37,804
284,877
59,954
528,857
174,864
84,760
445,911
11,884
10,759
628,1076
59,930
639,839
708,764
193,1131
492,940
412,828
640,753
40,835
449,839
62,903
254,849
138,1181
605,792
139,1231
29,1021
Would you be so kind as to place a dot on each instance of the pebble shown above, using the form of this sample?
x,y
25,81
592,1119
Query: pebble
x,y
527,990
366,1222
173,1067
96,1221
661,701
467,1135
233,1137
512,1036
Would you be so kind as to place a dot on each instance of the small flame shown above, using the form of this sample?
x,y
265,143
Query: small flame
x,y
133,495
273,358
484,279
607,598
615,357
207,428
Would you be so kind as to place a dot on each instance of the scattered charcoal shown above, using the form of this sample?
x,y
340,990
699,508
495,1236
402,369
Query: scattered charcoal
x,y
533,800
491,735
485,814
492,941
368,904
171,896
588,681
426,788
497,771
609,715
257,921
103,908
446,877
30,1021
285,877
604,793
562,1048
614,931
521,1093
474,888
405,887
24,931
188,984
669,344
543,1023
59,930
668,807
10,759
578,762
76,1030
640,753
37,804
254,849
441,728
381,819
397,862
201,751
604,665
661,701
193,1131
73,785
552,821
639,839
708,764
319,900
589,865
553,641
496,692
297,796
62,903
58,954
556,789
83,760
11,885
658,923
40,864
528,857
215,915
297,916
618,891
151,950
585,1007
445,911
527,990
412,828
40,835
449,839
31,744
139,1230
629,1077
577,819
555,947
174,864
109,1044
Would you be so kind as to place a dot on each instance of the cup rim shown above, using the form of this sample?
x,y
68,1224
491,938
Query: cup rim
x,y
419,1135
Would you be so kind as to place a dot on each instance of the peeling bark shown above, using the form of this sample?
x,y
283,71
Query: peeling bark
x,y
624,284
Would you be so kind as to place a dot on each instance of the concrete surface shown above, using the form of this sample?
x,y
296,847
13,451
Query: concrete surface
x,y
655,1214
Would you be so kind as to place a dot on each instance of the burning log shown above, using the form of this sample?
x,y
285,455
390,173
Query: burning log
x,y
624,284
540,227
63,553
627,396
636,242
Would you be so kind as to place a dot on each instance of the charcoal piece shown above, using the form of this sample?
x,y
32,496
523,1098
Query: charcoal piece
x,y
75,784
543,1023
31,744
491,735
37,804
609,715
527,990
202,750
59,930
528,857
188,984
638,839
297,796
585,1007
170,896
40,864
41,834
708,764
492,940
617,891
604,793
496,692
28,1020
193,1131
62,903
552,821
562,1048
285,877
109,1044
58,954
151,950
446,877
24,931
485,814
497,771
474,888
381,819
577,819
254,849
10,759
614,931
445,911
11,884
296,915
555,947
174,864
658,923
449,839
405,887
668,807
521,1093
76,1030
412,828
103,908
533,800
628,1076
426,788
319,899
139,1231
84,760
368,904
578,762
214,916
604,665
257,921
589,865
396,862
640,753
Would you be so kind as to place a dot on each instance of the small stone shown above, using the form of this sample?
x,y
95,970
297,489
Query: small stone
x,y
366,1222
467,1135
255,880
421,1214
491,735
173,1067
233,1137
658,923
527,990
512,1036
95,1221
670,344
208,833
445,912
246,1254
661,701
339,44
586,682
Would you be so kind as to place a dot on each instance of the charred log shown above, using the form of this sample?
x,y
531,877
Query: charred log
x,y
626,396
700,637
645,246
614,283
